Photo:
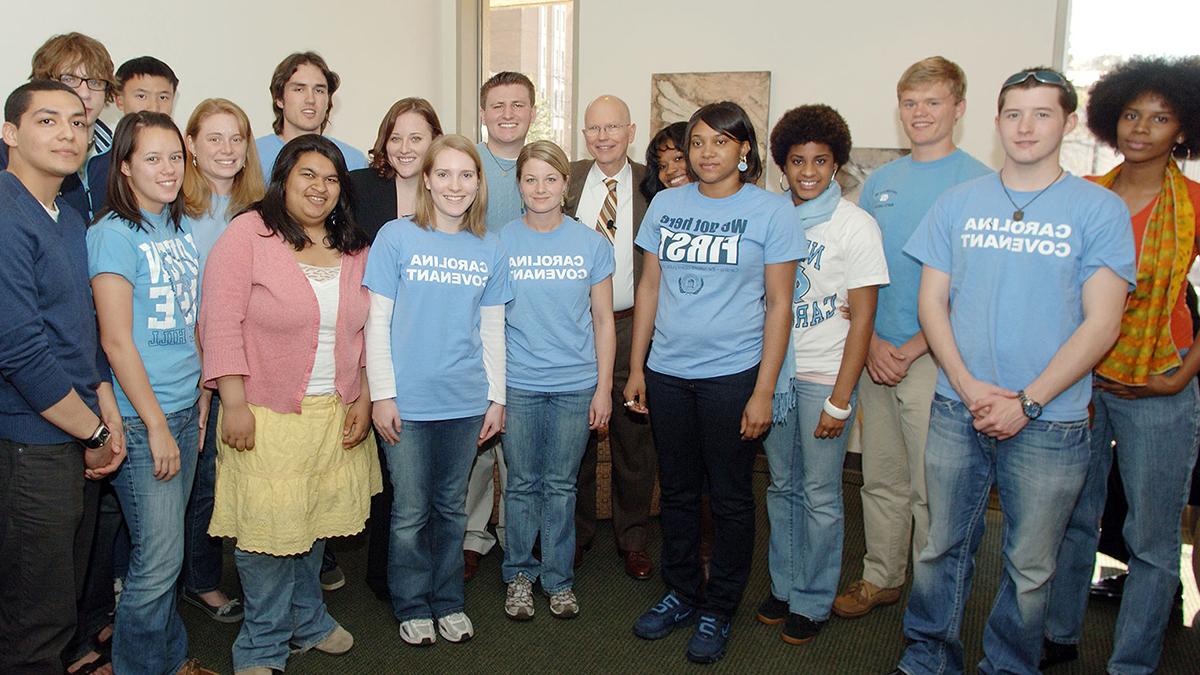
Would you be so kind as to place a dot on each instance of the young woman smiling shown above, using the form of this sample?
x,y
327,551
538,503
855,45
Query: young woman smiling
x,y
806,446
561,346
283,326
435,355
720,263
144,268
221,178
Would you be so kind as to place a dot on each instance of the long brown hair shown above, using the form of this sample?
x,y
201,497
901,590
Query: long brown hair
x,y
378,153
121,200
247,184
475,219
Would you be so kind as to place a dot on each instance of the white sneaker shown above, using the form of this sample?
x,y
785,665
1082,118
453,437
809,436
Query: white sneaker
x,y
418,632
518,600
455,627
564,604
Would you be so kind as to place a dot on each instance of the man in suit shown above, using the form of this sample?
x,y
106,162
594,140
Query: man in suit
x,y
603,193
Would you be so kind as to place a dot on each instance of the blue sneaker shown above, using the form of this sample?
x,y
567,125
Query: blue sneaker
x,y
708,642
666,616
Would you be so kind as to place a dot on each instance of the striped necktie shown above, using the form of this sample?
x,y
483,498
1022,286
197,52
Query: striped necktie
x,y
606,224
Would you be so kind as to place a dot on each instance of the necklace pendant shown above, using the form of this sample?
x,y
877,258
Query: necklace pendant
x,y
1018,215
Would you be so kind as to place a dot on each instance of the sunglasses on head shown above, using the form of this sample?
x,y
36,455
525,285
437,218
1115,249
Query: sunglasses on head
x,y
1049,77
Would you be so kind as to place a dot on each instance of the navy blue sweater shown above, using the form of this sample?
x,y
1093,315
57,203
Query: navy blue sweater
x,y
48,339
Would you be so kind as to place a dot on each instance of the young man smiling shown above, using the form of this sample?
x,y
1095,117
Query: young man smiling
x,y
302,89
896,388
1022,290
56,410
506,109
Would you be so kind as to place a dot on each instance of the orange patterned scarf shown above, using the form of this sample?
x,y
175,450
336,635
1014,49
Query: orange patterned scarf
x,y
1145,346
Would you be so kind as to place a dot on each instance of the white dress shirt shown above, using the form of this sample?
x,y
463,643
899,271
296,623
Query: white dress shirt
x,y
591,200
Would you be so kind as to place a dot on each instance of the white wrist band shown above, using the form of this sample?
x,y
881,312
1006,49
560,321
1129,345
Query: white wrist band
x,y
836,412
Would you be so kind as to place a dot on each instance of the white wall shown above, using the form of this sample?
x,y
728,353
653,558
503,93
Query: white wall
x,y
846,54
383,50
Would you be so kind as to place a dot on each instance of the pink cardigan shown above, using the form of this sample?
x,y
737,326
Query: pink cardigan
x,y
259,317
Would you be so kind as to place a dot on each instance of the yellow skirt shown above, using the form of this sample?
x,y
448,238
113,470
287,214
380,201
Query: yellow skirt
x,y
298,484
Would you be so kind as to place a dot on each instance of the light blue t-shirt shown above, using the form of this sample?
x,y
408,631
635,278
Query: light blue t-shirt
x,y
898,195
1016,288
269,146
711,300
438,282
208,227
550,340
163,266
504,197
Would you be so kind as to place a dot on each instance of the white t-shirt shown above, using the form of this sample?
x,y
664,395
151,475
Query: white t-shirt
x,y
325,285
845,252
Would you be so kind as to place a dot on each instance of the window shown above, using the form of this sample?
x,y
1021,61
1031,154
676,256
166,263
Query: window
x,y
1099,36
536,38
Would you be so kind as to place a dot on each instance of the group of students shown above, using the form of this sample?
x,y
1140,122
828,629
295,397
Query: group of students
x,y
250,339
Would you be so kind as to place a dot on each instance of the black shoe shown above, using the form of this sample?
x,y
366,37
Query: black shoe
x,y
1054,653
800,629
772,611
1109,588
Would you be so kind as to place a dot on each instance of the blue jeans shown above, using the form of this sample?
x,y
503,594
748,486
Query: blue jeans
x,y
149,637
697,432
804,506
429,468
202,553
285,609
1039,474
1156,446
544,440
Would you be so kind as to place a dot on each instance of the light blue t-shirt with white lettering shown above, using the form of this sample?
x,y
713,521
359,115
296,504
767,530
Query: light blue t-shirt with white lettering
x,y
268,148
712,296
550,339
504,197
1016,287
163,266
438,281
898,195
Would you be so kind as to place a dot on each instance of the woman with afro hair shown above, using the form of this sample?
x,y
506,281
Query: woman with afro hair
x,y
1145,396
814,400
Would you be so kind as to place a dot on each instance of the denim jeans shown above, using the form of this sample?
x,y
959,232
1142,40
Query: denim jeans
x,y
285,609
697,431
1156,446
43,553
202,553
545,437
1039,474
429,468
804,506
149,637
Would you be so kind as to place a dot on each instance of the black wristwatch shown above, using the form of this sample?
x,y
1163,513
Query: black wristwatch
x,y
1030,407
98,438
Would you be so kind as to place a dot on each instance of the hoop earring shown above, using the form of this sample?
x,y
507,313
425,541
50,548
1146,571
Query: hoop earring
x,y
783,186
742,165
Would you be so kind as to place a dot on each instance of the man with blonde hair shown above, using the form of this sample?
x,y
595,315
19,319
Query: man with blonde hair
x,y
897,387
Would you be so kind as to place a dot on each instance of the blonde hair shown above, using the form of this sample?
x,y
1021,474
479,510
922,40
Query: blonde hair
x,y
247,184
933,70
475,218
64,52
548,152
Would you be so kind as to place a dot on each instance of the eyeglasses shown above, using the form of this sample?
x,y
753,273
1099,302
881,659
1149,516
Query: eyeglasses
x,y
73,81
610,129
1049,77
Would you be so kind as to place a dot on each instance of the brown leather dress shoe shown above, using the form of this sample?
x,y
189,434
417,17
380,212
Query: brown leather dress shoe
x,y
470,564
637,564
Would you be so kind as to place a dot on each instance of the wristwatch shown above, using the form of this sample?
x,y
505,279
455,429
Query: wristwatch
x,y
98,438
1030,407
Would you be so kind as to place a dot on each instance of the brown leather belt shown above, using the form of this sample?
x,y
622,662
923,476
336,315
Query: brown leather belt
x,y
623,314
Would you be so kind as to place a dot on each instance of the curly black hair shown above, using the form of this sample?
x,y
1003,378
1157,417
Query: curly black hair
x,y
670,135
816,123
1176,81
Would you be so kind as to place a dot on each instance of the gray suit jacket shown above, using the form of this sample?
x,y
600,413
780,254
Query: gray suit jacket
x,y
579,172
